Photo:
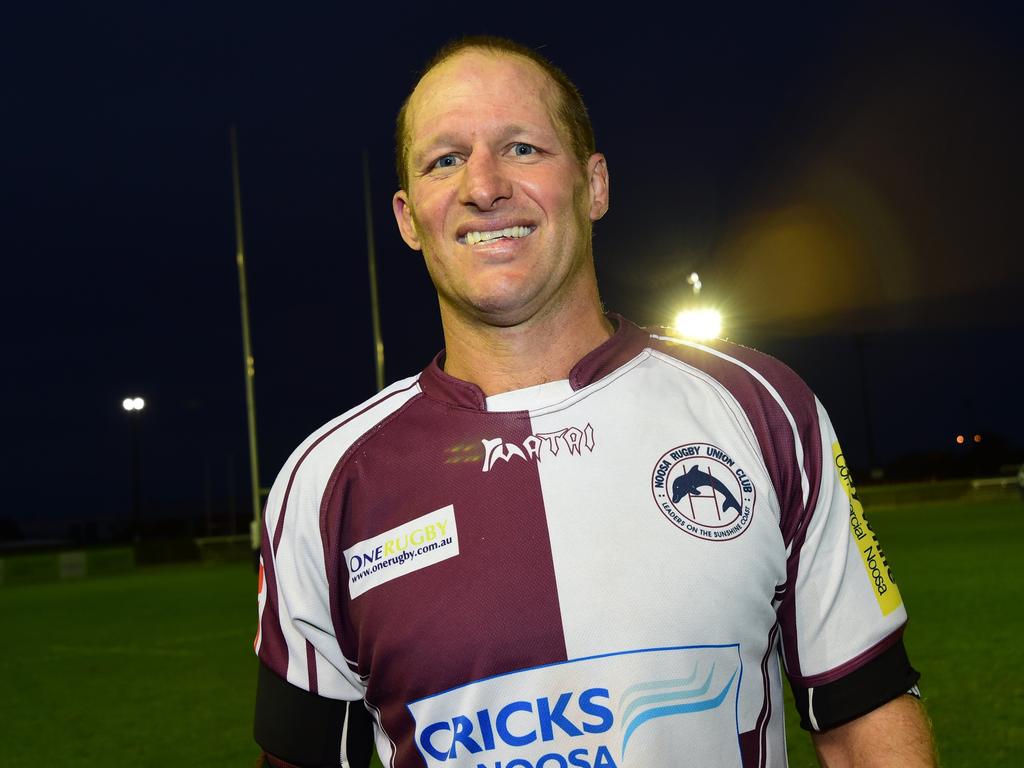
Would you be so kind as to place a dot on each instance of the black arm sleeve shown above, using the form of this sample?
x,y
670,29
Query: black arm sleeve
x,y
308,730
882,679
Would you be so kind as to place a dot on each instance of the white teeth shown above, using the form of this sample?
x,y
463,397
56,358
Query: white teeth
x,y
472,238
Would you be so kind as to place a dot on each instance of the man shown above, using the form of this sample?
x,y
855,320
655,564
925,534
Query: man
x,y
568,541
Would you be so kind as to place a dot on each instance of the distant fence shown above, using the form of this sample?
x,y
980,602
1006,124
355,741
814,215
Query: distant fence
x,y
40,567
983,489
32,568
225,549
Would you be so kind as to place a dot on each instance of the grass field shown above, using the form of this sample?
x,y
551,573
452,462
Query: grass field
x,y
155,668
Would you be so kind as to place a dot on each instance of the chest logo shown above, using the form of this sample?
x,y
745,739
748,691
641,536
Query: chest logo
x,y
701,490
570,440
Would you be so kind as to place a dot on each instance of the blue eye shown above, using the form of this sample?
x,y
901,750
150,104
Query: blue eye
x,y
446,161
523,150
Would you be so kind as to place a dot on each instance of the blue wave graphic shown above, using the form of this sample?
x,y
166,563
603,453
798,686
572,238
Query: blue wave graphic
x,y
659,698
659,684
678,709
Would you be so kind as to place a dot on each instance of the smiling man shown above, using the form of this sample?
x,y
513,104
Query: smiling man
x,y
568,541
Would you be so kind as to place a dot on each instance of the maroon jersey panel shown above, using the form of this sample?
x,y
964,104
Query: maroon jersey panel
x,y
431,451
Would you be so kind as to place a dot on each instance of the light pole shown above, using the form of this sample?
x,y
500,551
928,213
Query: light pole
x,y
133,406
249,363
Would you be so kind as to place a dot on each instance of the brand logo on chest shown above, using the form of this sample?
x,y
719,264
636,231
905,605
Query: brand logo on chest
x,y
570,441
701,490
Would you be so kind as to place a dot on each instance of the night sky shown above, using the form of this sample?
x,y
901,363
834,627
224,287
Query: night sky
x,y
843,180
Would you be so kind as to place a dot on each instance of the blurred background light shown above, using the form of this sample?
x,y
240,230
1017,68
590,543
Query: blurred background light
x,y
699,324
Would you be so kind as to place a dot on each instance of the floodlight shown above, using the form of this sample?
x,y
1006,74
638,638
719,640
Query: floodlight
x,y
699,324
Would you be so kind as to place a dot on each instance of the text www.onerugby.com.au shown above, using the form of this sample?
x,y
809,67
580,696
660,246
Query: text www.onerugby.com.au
x,y
401,558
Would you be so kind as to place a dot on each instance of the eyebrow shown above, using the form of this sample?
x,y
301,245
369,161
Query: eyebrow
x,y
448,139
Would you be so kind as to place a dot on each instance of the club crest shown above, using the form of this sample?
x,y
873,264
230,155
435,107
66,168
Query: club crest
x,y
701,490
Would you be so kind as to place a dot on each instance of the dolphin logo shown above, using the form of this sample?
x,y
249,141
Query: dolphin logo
x,y
695,479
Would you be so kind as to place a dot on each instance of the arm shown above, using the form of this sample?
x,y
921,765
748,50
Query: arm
x,y
847,663
896,734
309,708
298,729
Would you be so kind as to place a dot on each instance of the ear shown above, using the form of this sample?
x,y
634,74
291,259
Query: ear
x,y
597,178
403,216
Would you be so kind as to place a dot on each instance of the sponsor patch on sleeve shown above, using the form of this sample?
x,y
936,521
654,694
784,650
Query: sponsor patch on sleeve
x,y
878,570
427,540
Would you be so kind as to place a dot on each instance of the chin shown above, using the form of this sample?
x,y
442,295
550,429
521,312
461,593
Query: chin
x,y
497,309
501,314
504,301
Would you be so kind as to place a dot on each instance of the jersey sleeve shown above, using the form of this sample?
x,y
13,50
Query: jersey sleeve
x,y
309,699
842,615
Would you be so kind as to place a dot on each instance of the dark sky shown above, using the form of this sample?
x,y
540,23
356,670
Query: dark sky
x,y
833,175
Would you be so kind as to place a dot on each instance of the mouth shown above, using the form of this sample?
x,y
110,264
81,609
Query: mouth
x,y
475,237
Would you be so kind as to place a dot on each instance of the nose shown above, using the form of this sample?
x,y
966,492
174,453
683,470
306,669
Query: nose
x,y
484,182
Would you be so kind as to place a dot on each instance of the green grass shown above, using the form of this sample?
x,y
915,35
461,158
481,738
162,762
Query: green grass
x,y
958,567
155,668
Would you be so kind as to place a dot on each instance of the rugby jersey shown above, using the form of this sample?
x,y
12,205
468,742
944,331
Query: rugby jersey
x,y
599,571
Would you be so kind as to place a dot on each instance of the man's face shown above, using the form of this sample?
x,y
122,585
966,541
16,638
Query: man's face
x,y
497,201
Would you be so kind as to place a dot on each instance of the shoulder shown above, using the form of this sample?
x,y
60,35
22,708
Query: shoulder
x,y
315,459
782,412
755,378
342,431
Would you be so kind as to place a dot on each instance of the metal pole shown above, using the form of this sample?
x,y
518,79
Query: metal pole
x,y
233,525
247,358
378,341
133,419
207,496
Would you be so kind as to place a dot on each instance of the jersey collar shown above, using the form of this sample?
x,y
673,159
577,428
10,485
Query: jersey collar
x,y
625,344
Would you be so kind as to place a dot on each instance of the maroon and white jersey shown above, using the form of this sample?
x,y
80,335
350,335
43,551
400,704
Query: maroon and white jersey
x,y
600,571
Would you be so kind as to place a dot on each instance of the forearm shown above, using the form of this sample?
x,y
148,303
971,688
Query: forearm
x,y
896,734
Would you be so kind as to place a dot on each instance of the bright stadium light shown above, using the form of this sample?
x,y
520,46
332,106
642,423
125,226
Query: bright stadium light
x,y
139,403
133,403
699,324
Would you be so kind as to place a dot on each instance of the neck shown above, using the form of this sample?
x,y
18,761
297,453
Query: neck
x,y
543,348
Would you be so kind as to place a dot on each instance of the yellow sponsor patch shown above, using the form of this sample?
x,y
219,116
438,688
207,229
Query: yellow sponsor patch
x,y
877,569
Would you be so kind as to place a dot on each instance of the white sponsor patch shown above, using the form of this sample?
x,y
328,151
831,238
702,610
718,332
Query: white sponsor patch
x,y
635,709
421,542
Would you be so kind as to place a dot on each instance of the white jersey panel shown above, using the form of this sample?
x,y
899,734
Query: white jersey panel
x,y
615,544
775,736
